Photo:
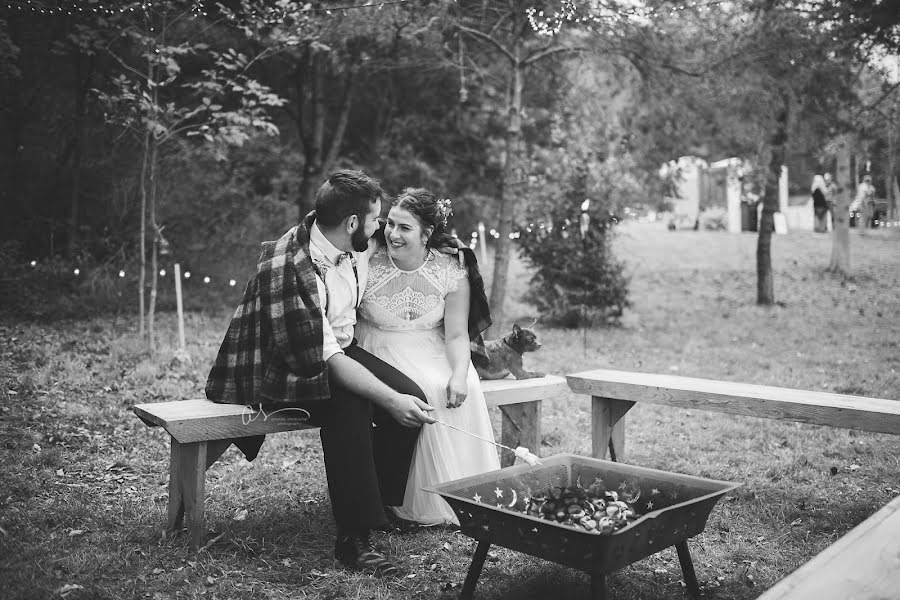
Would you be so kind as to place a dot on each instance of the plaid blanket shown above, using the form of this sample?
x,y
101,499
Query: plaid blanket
x,y
272,351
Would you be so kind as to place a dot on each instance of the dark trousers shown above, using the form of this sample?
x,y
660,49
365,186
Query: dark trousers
x,y
367,467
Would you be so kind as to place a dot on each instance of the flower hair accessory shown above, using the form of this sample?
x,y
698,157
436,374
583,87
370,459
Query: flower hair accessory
x,y
445,209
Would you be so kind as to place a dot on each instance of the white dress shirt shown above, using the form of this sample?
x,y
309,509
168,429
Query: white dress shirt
x,y
339,289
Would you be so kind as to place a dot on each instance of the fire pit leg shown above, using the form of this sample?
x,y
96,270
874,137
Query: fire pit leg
x,y
598,586
687,568
474,573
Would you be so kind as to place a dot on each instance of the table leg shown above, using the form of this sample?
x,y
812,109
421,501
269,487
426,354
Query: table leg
x,y
608,426
474,573
598,587
687,568
521,426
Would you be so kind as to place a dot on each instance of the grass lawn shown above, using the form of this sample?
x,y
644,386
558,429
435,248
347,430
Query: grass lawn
x,y
83,488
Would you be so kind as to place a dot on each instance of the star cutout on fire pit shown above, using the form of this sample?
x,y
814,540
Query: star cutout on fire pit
x,y
649,504
476,498
623,485
598,479
654,491
498,492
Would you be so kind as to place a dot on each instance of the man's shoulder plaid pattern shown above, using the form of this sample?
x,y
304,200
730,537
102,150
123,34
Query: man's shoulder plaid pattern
x,y
272,351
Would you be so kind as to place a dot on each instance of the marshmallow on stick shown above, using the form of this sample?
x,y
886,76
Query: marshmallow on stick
x,y
520,452
523,453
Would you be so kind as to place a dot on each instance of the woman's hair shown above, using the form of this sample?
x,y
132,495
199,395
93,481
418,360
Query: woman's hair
x,y
429,211
346,193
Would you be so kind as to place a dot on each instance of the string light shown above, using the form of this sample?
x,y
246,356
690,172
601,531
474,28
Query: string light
x,y
162,272
122,273
232,282
72,7
206,279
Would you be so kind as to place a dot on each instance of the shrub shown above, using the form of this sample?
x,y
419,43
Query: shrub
x,y
577,280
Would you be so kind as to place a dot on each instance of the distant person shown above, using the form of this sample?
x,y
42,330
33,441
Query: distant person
x,y
820,205
864,203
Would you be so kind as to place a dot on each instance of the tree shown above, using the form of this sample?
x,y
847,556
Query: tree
x,y
507,33
222,108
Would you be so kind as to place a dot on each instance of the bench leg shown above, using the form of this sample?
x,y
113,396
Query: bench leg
x,y
521,427
187,484
607,427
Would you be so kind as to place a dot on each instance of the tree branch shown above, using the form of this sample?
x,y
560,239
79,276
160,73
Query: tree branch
x,y
486,38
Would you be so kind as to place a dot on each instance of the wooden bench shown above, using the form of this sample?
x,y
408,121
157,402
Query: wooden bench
x,y
613,393
863,564
201,431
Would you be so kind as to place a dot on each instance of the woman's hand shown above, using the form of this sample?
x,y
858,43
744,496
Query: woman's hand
x,y
457,391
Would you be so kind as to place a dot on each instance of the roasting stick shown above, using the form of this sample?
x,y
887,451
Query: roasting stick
x,y
520,452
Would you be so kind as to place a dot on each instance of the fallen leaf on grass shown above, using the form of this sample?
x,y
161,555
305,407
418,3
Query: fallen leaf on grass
x,y
76,532
68,589
796,522
854,468
287,562
240,515
210,580
661,571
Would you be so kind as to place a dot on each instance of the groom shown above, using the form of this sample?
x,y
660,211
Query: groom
x,y
290,344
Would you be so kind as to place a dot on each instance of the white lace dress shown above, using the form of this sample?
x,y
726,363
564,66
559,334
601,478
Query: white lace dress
x,y
402,323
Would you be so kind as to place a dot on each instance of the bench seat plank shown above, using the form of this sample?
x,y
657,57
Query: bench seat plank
x,y
200,420
862,565
190,421
821,408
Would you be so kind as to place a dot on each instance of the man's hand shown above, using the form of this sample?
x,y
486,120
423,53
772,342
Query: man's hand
x,y
409,411
457,391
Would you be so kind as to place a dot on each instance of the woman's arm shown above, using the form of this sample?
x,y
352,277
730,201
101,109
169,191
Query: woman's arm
x,y
456,339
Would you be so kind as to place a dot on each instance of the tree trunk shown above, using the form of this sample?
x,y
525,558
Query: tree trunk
x,y
83,80
311,133
765,281
154,246
840,237
509,193
318,161
142,272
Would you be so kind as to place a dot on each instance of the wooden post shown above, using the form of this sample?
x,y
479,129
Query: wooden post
x,y
181,345
482,241
521,427
607,426
187,488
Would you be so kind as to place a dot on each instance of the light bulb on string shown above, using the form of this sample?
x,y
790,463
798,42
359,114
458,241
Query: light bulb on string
x,y
122,273
187,274
232,282
77,271
162,272
206,279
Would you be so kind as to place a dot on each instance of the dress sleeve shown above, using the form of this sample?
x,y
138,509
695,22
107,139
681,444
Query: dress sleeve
x,y
455,274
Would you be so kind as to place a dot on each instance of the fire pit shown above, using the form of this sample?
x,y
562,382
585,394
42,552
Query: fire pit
x,y
671,508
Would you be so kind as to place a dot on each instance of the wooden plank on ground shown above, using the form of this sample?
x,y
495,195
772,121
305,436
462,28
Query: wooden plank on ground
x,y
862,565
837,410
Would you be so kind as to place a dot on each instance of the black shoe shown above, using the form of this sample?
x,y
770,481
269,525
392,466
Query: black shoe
x,y
357,552
398,525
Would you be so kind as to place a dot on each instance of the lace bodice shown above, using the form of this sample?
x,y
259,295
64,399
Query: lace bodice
x,y
407,300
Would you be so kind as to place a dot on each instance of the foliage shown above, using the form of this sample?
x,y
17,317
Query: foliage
x,y
577,281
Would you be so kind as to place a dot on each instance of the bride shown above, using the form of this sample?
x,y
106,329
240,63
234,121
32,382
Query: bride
x,y
414,315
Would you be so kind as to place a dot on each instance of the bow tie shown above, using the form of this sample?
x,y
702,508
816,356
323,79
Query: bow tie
x,y
341,257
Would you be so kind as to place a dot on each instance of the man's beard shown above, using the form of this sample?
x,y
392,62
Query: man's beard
x,y
359,240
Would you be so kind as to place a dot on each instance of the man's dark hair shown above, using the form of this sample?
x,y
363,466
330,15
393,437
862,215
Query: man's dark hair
x,y
344,193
